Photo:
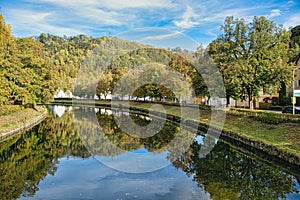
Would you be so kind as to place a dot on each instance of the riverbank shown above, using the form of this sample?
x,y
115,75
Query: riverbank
x,y
281,140
14,122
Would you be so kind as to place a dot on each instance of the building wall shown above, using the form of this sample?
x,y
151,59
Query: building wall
x,y
289,91
259,103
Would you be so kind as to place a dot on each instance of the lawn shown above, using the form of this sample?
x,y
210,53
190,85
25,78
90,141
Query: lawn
x,y
13,117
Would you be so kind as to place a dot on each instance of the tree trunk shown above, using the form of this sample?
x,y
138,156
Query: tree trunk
x,y
207,102
227,101
250,99
282,94
99,96
250,102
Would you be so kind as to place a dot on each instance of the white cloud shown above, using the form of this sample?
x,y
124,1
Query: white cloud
x,y
188,19
125,4
162,36
274,13
294,20
33,23
102,17
107,12
97,181
112,4
220,15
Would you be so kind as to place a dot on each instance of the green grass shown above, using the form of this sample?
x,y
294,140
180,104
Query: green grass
x,y
18,117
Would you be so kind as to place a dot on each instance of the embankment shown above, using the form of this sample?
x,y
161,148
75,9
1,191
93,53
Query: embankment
x,y
20,120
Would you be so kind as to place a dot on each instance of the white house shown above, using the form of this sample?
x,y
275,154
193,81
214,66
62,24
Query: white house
x,y
59,93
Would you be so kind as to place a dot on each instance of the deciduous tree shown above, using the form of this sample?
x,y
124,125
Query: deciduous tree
x,y
252,57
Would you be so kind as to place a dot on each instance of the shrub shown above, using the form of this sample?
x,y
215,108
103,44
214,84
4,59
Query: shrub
x,y
266,117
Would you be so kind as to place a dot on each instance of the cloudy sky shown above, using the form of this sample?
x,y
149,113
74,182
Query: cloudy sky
x,y
195,19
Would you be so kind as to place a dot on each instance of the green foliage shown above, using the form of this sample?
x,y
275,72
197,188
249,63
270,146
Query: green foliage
x,y
5,40
103,55
266,117
25,74
8,109
154,80
252,57
67,55
295,36
134,65
33,69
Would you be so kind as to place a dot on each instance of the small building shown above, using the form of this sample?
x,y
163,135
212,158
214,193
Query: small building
x,y
62,94
265,101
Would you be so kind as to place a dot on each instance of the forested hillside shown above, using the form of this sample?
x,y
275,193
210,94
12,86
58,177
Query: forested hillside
x,y
250,57
34,68
144,64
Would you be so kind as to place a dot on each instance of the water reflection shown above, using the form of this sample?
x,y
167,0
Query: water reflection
x,y
115,147
51,161
29,157
228,174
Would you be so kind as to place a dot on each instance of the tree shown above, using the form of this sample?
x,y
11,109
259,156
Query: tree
x,y
104,85
295,36
5,39
25,73
154,80
252,57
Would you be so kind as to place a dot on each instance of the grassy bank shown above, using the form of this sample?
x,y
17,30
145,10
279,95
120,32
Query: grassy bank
x,y
16,117
283,136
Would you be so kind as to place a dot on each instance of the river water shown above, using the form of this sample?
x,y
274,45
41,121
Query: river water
x,y
82,153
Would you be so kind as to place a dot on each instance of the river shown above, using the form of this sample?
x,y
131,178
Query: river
x,y
82,153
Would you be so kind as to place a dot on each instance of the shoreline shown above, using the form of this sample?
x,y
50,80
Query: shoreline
x,y
237,139
15,129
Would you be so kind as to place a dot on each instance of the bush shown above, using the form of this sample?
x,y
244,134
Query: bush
x,y
278,108
266,117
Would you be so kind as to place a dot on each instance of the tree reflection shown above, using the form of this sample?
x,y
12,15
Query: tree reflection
x,y
105,137
29,157
228,174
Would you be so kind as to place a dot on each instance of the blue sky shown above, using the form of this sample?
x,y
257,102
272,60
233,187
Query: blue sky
x,y
165,20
